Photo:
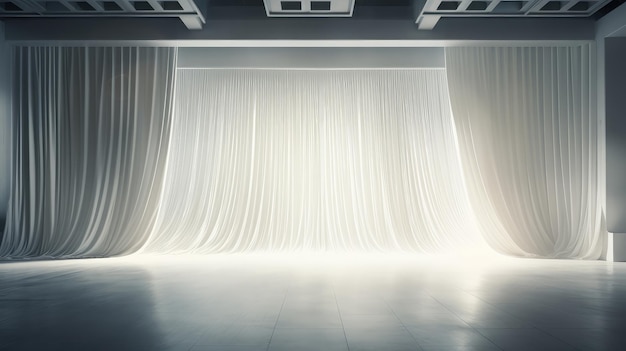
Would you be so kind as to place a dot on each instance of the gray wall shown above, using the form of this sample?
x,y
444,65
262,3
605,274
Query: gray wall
x,y
615,107
609,52
5,135
505,29
311,58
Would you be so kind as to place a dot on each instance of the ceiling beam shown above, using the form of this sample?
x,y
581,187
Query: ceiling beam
x,y
427,22
192,22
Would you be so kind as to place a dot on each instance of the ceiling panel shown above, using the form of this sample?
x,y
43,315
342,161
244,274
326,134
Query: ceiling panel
x,y
436,9
309,8
186,10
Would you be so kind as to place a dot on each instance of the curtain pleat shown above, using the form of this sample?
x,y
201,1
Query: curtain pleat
x,y
5,127
112,150
312,160
91,129
528,135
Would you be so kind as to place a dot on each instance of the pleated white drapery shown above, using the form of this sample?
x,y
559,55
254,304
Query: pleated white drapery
x,y
528,134
103,163
312,160
90,131
5,123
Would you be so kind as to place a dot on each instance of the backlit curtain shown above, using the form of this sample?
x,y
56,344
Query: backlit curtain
x,y
312,160
90,134
528,134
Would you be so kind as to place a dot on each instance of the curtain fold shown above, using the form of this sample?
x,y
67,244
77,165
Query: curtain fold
x,y
90,129
5,123
104,163
528,134
312,160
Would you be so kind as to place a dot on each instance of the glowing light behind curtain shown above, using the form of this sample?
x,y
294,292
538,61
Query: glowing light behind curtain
x,y
90,138
527,127
312,160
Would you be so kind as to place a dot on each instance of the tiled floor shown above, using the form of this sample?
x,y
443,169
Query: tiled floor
x,y
278,302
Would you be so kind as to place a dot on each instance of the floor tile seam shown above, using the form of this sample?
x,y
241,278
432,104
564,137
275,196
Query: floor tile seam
x,y
559,339
469,325
491,304
533,328
277,319
488,338
343,327
499,309
403,325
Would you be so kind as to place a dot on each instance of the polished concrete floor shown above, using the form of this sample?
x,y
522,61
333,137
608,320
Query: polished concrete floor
x,y
343,302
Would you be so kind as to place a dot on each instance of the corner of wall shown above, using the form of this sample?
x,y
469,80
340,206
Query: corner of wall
x,y
605,27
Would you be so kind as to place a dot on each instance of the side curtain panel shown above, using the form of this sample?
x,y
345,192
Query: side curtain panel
x,y
90,135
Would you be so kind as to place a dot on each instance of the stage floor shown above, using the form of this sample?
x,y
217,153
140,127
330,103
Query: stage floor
x,y
312,302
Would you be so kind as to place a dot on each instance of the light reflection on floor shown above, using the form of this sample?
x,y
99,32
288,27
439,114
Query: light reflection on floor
x,y
313,302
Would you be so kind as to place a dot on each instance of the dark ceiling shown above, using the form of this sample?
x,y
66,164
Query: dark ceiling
x,y
248,19
247,9
362,8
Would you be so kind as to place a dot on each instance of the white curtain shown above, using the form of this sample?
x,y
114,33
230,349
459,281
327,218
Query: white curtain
x,y
5,126
312,160
302,159
90,129
528,135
